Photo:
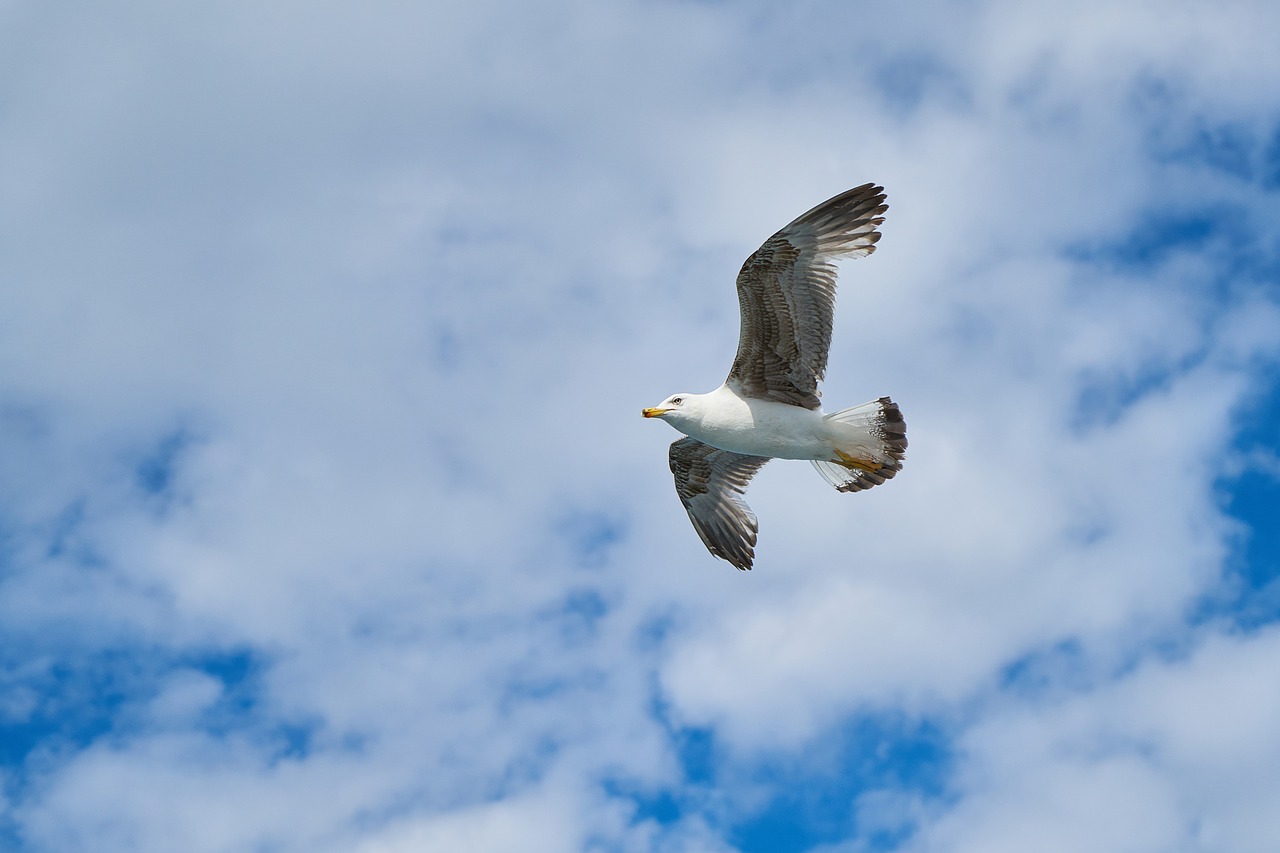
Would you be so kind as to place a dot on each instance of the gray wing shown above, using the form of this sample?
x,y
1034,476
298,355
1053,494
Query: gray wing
x,y
787,294
710,483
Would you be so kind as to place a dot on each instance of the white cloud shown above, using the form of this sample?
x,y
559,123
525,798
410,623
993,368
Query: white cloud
x,y
399,281
1177,755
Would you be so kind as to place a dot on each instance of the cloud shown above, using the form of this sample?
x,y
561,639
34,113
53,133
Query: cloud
x,y
1174,755
327,519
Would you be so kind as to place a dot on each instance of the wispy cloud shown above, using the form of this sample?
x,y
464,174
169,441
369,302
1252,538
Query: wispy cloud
x,y
328,521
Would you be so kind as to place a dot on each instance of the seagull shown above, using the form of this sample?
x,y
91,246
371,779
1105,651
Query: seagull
x,y
768,406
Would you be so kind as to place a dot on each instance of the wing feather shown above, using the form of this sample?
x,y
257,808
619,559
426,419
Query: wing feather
x,y
710,483
787,295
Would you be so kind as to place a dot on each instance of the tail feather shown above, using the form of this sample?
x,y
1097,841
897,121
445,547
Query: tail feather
x,y
870,446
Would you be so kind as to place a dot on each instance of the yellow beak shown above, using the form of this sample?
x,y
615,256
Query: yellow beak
x,y
655,412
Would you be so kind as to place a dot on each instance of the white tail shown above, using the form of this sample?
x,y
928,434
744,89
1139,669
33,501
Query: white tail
x,y
870,444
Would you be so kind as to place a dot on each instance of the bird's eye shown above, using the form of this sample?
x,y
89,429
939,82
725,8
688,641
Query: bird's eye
x,y
675,401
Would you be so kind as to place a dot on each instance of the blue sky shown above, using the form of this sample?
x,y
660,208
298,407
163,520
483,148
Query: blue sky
x,y
328,521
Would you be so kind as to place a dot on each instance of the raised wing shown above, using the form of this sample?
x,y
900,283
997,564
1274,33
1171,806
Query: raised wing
x,y
787,294
710,483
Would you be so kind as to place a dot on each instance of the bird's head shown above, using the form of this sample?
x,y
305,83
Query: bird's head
x,y
673,408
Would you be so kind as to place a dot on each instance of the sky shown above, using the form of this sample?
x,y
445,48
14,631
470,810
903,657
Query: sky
x,y
329,522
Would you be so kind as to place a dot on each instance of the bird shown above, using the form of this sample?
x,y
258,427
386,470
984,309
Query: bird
x,y
768,406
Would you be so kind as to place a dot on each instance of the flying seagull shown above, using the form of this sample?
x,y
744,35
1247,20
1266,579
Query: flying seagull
x,y
768,406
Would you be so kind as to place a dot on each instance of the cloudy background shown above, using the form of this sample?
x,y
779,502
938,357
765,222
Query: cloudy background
x,y
328,521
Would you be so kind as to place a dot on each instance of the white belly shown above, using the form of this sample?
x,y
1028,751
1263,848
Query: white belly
x,y
761,428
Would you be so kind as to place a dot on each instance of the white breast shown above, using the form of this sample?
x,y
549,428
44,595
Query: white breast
x,y
758,427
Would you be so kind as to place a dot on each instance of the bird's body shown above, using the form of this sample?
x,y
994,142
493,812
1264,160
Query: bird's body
x,y
727,420
768,406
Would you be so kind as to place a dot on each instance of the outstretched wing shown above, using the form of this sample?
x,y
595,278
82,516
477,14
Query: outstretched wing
x,y
710,483
787,294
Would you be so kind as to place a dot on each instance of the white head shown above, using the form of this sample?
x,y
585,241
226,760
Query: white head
x,y
675,409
